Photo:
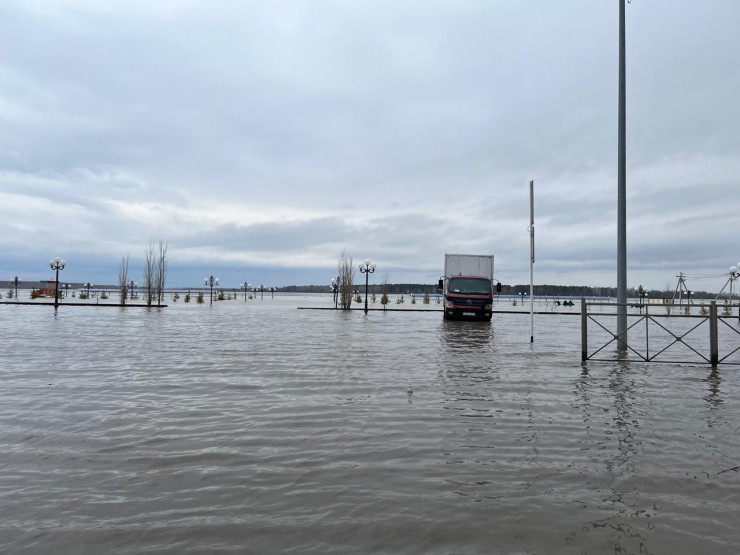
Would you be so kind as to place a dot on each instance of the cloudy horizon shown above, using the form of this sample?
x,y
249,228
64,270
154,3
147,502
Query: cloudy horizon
x,y
259,139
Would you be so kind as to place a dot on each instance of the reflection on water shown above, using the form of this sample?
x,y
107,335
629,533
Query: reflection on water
x,y
461,336
714,380
623,506
216,428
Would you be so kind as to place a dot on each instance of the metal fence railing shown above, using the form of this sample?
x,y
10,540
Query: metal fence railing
x,y
686,334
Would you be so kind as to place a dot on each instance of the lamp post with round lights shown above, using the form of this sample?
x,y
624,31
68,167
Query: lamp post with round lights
x,y
132,286
88,286
245,286
335,289
366,268
211,281
734,274
15,281
66,287
57,264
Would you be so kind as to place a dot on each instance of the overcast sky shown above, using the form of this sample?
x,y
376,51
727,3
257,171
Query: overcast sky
x,y
260,138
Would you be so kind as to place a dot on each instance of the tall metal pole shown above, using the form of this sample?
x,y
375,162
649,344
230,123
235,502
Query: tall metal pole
x,y
622,194
713,341
584,330
531,262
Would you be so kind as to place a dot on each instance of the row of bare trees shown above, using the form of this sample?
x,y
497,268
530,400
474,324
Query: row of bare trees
x,y
155,273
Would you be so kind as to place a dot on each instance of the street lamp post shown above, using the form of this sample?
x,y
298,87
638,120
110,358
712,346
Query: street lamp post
x,y
272,293
642,294
245,286
366,268
57,264
211,281
132,285
88,285
335,289
734,274
66,289
262,292
15,281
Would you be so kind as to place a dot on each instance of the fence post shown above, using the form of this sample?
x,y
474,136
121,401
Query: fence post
x,y
584,331
713,340
647,334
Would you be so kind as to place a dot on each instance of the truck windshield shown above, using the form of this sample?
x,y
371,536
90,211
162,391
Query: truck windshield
x,y
470,286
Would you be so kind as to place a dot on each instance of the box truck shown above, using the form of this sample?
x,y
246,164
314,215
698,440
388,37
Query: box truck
x,y
467,286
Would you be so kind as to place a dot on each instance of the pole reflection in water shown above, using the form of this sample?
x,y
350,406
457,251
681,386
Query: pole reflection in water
x,y
714,380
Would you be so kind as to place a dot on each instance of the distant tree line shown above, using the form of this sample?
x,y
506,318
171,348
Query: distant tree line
x,y
575,291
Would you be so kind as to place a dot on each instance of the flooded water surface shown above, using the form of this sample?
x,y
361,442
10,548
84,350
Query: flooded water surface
x,y
258,428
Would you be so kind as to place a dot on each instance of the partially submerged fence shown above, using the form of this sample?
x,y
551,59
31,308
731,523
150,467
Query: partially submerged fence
x,y
676,334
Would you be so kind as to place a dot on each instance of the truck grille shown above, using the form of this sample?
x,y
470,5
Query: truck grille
x,y
473,302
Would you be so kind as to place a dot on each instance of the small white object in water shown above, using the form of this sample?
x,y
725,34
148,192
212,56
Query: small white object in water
x,y
410,390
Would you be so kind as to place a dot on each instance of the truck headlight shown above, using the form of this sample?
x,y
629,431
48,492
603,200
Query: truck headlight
x,y
489,307
449,304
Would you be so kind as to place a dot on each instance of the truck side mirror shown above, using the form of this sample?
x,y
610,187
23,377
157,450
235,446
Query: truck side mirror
x,y
498,287
441,284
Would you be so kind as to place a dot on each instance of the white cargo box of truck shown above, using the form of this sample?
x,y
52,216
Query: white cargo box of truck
x,y
469,265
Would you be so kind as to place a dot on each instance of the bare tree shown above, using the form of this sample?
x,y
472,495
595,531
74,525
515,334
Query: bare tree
x,y
150,269
346,272
123,279
384,291
161,270
155,271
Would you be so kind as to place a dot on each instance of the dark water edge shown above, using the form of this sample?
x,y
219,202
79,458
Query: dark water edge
x,y
266,429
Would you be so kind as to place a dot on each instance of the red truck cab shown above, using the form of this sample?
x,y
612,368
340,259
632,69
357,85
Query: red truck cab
x,y
467,297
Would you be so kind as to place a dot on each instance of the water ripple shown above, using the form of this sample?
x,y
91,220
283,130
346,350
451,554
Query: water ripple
x,y
262,429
